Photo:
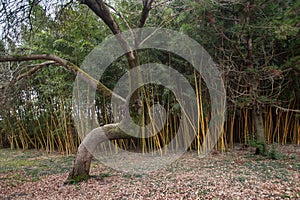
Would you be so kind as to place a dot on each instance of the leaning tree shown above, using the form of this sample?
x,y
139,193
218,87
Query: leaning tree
x,y
14,14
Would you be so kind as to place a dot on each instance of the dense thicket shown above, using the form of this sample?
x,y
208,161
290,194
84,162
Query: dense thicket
x,y
255,44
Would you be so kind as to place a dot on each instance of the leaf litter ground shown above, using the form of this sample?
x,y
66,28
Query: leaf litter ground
x,y
234,174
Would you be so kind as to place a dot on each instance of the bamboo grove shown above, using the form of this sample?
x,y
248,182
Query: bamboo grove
x,y
253,43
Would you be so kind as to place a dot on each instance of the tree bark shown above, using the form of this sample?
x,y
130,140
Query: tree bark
x,y
254,85
82,163
81,167
261,148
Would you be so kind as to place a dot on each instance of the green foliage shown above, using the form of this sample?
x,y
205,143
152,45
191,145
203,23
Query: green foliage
x,y
261,147
2,47
224,30
40,106
273,153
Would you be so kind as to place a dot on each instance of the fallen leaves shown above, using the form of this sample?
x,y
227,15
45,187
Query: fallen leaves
x,y
231,175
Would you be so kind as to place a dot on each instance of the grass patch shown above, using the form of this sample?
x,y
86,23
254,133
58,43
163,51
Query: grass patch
x,y
30,165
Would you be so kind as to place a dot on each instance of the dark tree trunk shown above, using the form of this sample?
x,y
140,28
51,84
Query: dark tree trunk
x,y
262,148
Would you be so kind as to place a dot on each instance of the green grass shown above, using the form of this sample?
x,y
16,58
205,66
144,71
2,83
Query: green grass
x,y
31,164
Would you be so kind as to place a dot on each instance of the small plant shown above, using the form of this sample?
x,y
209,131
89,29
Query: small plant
x,y
241,179
261,147
77,187
204,192
273,153
77,179
103,175
286,196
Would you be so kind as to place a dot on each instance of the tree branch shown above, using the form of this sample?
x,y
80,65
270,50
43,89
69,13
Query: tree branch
x,y
120,15
70,66
145,13
33,70
286,109
100,9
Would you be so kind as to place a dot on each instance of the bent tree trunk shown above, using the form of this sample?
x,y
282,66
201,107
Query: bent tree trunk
x,y
82,163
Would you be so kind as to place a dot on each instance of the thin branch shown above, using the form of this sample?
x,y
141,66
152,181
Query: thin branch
x,y
119,14
71,67
161,3
159,27
34,69
286,109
